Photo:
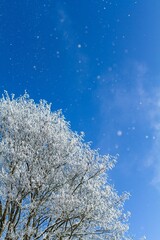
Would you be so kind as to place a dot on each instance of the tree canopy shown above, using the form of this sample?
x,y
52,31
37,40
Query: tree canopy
x,y
53,185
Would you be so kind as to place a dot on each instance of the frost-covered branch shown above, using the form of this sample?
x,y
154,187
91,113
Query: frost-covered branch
x,y
52,184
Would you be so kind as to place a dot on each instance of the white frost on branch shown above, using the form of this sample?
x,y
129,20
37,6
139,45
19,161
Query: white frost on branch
x,y
52,184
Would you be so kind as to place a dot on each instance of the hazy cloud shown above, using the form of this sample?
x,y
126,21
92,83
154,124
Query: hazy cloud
x,y
134,102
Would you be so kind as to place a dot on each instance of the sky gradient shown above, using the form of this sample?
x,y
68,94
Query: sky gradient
x,y
98,61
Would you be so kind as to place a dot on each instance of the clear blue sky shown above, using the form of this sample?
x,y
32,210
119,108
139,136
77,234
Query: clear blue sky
x,y
98,61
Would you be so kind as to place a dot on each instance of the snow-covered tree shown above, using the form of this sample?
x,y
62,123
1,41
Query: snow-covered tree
x,y
52,184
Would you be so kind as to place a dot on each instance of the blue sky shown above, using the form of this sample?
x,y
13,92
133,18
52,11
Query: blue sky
x,y
98,61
